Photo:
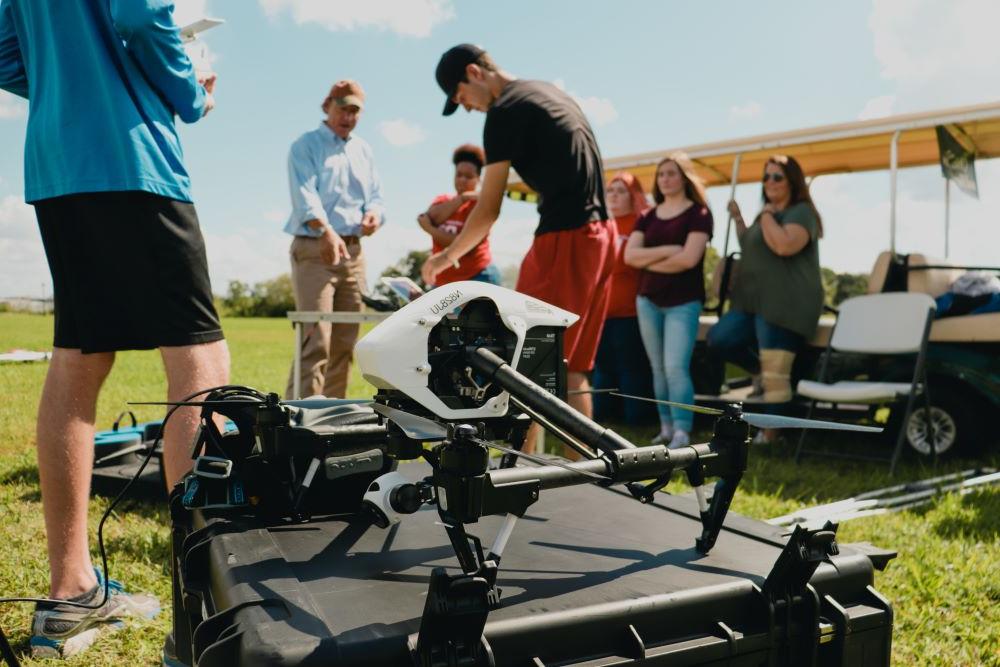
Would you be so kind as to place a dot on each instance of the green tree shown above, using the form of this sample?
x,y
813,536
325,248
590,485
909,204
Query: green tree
x,y
269,298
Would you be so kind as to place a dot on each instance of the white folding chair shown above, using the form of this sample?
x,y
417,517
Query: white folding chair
x,y
891,323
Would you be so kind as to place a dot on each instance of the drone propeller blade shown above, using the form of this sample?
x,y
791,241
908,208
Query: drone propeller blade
x,y
317,403
542,461
700,409
213,404
414,426
778,421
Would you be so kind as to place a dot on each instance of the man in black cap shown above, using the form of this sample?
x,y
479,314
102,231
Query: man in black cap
x,y
541,132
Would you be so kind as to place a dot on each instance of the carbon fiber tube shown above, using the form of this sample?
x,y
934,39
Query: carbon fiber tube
x,y
556,411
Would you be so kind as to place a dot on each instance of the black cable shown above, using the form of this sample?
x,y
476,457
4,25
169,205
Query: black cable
x,y
5,649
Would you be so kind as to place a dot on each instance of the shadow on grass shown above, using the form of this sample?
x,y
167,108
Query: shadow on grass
x,y
983,522
21,474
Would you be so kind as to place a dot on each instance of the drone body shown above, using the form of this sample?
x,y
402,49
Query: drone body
x,y
417,351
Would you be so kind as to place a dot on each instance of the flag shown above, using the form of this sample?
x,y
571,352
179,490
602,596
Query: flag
x,y
958,158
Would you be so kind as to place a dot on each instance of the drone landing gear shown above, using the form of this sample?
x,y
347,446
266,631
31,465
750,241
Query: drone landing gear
x,y
451,628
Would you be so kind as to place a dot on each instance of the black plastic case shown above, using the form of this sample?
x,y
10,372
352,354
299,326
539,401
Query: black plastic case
x,y
589,577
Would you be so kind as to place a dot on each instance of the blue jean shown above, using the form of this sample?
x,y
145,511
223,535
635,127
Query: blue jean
x,y
738,338
622,363
491,274
668,334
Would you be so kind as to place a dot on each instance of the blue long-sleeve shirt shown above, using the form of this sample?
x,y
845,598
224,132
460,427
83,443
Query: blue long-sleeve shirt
x,y
104,79
332,180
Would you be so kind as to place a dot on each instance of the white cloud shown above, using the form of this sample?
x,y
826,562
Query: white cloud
x,y
399,132
857,227
23,270
877,107
246,255
11,106
413,18
751,109
599,110
938,51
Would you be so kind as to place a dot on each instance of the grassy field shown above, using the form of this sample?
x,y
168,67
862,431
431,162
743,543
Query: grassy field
x,y
944,586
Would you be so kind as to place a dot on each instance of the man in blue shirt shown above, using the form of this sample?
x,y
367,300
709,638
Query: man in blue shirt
x,y
105,172
336,199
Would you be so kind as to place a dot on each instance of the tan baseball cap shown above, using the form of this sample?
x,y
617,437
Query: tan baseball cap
x,y
346,92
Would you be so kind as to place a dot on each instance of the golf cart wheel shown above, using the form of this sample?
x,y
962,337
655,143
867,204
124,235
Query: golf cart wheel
x,y
944,427
954,419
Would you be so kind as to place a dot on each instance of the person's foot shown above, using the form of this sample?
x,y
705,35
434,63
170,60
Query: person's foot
x,y
663,437
60,630
681,439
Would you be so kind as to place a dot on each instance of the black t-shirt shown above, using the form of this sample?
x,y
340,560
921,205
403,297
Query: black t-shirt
x,y
547,139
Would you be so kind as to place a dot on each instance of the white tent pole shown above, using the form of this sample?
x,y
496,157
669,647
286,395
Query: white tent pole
x,y
893,169
732,195
947,215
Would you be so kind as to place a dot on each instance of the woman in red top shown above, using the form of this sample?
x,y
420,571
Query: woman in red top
x,y
621,361
668,244
446,217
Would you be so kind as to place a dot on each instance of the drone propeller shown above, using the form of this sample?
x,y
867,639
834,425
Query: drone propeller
x,y
700,409
413,426
311,403
541,461
762,420
778,421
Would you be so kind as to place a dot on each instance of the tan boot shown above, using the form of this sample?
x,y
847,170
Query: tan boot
x,y
776,372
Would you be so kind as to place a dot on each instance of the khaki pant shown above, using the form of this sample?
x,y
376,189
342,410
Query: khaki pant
x,y
327,349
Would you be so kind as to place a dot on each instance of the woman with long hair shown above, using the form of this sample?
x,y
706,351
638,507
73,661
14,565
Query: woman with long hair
x,y
621,360
778,296
668,244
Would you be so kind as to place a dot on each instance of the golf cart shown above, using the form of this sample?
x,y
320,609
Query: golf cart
x,y
963,353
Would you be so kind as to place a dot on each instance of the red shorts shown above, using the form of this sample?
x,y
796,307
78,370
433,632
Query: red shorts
x,y
572,269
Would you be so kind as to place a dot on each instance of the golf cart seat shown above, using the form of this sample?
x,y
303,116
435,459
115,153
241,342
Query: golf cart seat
x,y
849,391
890,323
907,273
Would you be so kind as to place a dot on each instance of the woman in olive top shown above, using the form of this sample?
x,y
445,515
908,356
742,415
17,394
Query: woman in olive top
x,y
778,296
668,244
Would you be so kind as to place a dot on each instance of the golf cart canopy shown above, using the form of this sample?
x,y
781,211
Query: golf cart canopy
x,y
857,146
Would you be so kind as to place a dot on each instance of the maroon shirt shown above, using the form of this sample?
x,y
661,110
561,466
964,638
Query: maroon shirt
x,y
673,289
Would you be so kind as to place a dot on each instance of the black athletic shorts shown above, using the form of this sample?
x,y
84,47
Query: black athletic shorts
x,y
128,272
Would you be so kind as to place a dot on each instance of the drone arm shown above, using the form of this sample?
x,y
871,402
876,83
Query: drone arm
x,y
550,407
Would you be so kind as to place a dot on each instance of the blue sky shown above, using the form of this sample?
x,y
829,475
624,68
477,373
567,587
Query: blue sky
x,y
650,75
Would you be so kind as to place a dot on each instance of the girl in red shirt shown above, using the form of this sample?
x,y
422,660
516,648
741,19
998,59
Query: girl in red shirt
x,y
446,217
621,361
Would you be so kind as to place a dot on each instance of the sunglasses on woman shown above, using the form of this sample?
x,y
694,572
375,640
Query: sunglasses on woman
x,y
777,178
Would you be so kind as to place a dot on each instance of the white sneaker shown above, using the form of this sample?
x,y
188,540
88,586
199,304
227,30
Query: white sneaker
x,y
681,439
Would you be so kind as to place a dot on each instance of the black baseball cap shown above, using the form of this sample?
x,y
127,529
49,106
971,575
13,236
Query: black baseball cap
x,y
451,71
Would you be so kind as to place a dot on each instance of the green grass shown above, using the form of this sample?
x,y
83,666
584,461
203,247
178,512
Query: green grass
x,y
944,586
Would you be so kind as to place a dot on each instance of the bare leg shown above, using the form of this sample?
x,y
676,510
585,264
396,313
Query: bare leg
x,y
190,368
580,402
65,436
